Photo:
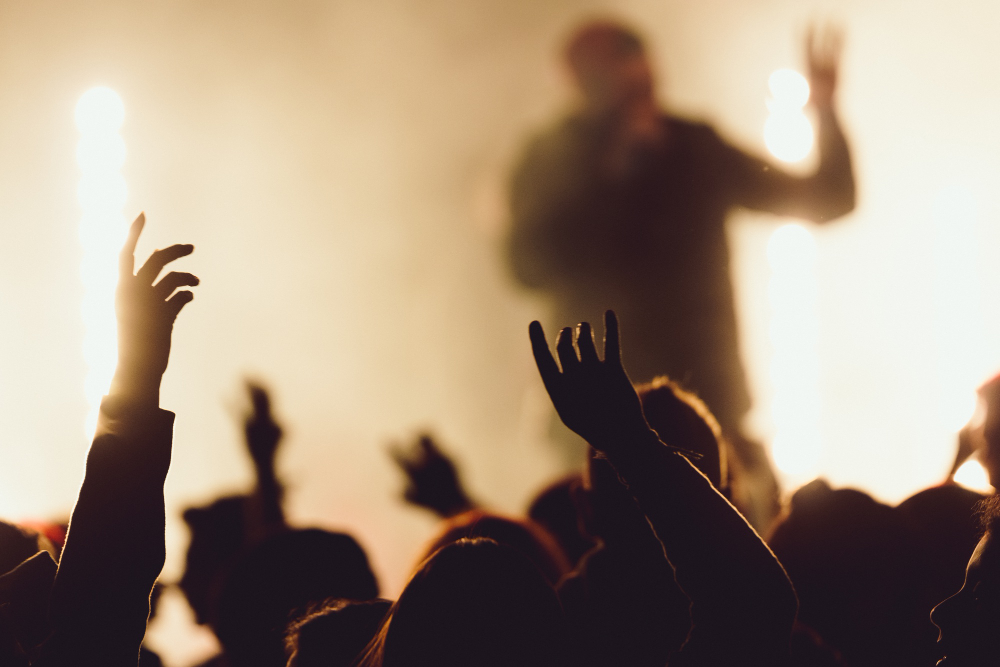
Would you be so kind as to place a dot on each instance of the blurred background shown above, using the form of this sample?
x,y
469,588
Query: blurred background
x,y
341,169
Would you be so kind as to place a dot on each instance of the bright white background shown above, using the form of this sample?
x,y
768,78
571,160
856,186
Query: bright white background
x,y
340,169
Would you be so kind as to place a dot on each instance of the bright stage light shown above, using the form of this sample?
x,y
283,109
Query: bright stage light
x,y
962,360
102,193
794,367
788,134
99,111
972,475
788,87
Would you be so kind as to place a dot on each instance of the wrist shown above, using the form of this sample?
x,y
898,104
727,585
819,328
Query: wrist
x,y
138,388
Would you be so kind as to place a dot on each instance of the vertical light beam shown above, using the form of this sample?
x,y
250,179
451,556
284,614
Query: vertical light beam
x,y
794,368
102,192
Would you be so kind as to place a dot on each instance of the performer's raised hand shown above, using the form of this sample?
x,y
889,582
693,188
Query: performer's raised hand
x,y
823,48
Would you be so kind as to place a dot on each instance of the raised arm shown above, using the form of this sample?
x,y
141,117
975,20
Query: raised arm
x,y
828,193
742,604
115,547
263,436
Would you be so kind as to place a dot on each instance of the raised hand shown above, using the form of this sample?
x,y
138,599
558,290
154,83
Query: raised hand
x,y
432,481
146,314
594,398
823,55
263,433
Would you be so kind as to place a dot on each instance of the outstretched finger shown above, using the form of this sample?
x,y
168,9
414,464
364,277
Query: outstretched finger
x,y
567,353
161,258
176,302
612,346
585,341
547,366
126,260
172,281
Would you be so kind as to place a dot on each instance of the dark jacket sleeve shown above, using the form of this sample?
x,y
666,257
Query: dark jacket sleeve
x,y
115,547
742,604
825,195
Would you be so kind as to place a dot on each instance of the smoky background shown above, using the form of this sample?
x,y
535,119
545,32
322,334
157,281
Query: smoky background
x,y
341,169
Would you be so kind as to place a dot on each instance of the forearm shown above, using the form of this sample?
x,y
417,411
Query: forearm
x,y
741,598
115,547
832,187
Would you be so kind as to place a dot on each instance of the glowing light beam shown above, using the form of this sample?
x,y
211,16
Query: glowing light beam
x,y
794,368
102,193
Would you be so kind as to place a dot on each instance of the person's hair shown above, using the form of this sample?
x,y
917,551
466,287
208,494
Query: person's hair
x,y
988,513
333,633
473,602
683,420
595,44
524,536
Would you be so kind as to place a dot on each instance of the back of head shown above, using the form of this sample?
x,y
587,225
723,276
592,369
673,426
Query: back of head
x,y
283,574
683,420
853,562
217,536
943,519
555,510
525,537
475,603
334,634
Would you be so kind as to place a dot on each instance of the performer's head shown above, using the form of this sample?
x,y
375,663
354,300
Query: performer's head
x,y
609,65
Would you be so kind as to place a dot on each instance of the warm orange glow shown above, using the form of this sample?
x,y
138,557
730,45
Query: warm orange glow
x,y
101,193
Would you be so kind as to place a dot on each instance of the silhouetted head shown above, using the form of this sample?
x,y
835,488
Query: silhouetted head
x,y
969,620
474,603
607,509
855,565
526,537
335,633
943,519
990,454
18,544
609,65
555,510
218,532
24,607
278,577
683,420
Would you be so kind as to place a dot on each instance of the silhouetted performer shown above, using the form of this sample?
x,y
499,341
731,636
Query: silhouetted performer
x,y
622,206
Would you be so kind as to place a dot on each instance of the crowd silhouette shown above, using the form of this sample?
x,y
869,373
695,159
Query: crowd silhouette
x,y
646,556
